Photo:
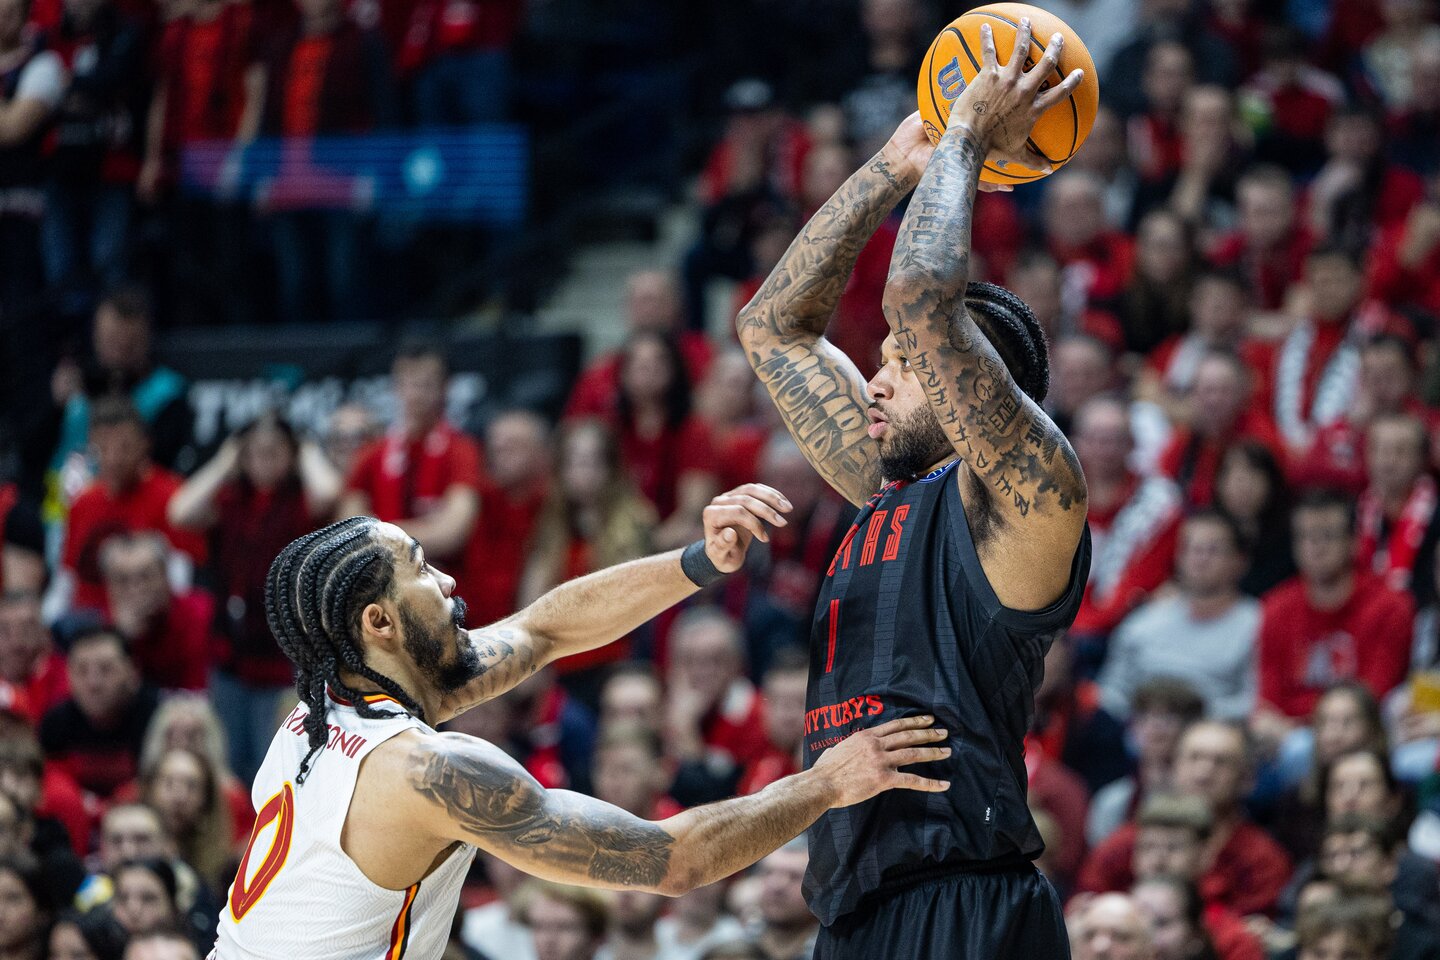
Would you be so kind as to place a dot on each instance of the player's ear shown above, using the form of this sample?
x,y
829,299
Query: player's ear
x,y
377,625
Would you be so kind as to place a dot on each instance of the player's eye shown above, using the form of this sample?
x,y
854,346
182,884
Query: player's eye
x,y
904,363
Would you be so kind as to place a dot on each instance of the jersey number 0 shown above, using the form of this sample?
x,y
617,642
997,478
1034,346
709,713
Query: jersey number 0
x,y
250,887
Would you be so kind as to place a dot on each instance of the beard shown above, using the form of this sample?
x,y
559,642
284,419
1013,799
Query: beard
x,y
426,643
913,443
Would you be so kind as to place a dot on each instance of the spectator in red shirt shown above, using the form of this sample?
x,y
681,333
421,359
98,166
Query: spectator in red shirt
x,y
1247,870
425,475
1221,416
1156,146
1218,308
263,489
129,494
169,634
44,793
630,772
725,402
512,496
1396,508
652,305
1290,101
96,735
1269,247
714,717
1405,262
1332,622
665,448
1078,237
28,658
1134,521
461,52
1359,189
783,692
1037,280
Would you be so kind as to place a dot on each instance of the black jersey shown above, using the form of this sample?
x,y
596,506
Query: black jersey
x,y
908,624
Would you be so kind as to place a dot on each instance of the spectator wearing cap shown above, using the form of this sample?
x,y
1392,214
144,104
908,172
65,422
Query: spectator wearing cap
x,y
1081,241
424,475
787,928
129,494
1359,189
29,661
1268,246
1133,520
1405,262
169,633
1397,507
96,735
1209,627
1160,710
1109,927
1247,870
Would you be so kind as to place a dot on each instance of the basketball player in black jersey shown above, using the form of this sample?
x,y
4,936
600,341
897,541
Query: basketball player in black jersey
x,y
969,553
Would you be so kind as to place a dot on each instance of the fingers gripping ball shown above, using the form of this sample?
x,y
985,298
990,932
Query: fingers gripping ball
x,y
954,59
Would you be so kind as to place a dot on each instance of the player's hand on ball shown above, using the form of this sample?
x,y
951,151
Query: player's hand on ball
x,y
909,149
869,761
736,517
1003,102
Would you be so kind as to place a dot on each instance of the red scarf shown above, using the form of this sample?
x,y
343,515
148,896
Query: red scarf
x,y
1397,560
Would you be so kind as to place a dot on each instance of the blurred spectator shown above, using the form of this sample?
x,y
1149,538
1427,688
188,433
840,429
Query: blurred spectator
x,y
1082,368
1312,626
1414,127
1208,625
879,98
665,448
632,695
787,929
127,832
512,497
161,945
1058,793
261,490
1405,263
129,495
714,717
783,693
145,897
495,929
1288,102
568,923
1202,188
1359,189
1353,928
424,476
549,731
25,921
1163,21
1241,26
324,76
97,142
653,304
1179,926
1386,387
1221,417
32,85
28,658
593,518
1247,870
1081,241
725,403
169,634
1216,306
123,364
1134,521
22,833
1159,711
630,774
46,796
695,923
1365,854
352,428
1069,725
1269,246
1154,305
632,927
1108,927
460,52
1396,508
1105,24
1408,25
183,787
86,936
1059,305
1106,157
96,735
1156,146
22,542
1250,489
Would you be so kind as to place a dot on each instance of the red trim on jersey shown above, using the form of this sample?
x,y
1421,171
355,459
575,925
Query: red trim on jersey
x,y
834,626
370,698
400,929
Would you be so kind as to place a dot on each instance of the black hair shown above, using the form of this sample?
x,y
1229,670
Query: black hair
x,y
1012,329
788,659
1230,276
423,348
1192,908
102,934
1382,760
677,393
314,595
161,871
130,300
1215,515
96,634
1392,341
28,871
286,429
1339,250
113,410
1324,498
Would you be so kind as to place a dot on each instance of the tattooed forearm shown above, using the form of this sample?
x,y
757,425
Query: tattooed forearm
x,y
1009,443
498,805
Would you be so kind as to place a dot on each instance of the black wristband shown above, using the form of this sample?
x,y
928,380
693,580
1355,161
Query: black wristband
x,y
697,566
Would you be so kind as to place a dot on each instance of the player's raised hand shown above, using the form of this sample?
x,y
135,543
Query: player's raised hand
x,y
1003,101
739,516
869,761
909,151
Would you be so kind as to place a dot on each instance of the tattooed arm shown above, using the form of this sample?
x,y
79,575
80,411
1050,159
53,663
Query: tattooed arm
x,y
818,390
1026,481
600,608
469,790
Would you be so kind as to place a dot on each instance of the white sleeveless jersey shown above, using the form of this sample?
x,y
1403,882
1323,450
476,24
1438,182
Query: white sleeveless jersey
x,y
297,895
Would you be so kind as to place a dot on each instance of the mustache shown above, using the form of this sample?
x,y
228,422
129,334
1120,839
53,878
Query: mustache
x,y
459,610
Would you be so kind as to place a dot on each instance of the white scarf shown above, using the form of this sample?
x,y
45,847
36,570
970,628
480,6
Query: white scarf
x,y
1139,522
1333,391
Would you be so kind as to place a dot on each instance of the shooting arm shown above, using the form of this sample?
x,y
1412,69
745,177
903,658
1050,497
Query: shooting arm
x,y
818,390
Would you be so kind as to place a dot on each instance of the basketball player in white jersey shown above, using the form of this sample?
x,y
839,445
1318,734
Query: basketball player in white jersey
x,y
368,819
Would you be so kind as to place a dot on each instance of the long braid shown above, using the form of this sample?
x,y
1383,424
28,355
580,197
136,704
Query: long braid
x,y
1013,329
315,593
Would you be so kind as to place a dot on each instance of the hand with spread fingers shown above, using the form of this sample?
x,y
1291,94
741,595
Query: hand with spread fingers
x,y
1001,104
739,516
868,761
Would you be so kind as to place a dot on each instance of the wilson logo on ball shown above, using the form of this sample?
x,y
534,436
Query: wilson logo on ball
x,y
952,81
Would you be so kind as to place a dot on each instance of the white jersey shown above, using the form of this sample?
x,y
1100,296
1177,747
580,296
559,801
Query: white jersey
x,y
297,894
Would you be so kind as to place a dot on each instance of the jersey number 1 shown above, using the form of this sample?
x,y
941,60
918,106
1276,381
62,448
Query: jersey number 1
x,y
250,887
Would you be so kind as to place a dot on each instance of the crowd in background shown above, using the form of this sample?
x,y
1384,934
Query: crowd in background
x,y
1235,750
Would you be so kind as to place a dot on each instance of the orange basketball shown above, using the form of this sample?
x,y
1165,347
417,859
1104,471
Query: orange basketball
x,y
954,59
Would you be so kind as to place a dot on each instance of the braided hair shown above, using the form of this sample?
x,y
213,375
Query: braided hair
x,y
1014,331
314,595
